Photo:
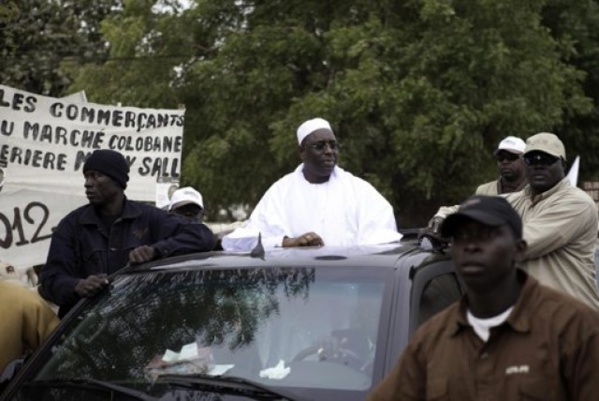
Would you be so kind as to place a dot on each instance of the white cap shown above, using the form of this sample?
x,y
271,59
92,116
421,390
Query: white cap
x,y
512,144
310,126
185,196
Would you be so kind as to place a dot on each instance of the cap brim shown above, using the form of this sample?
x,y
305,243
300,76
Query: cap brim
x,y
514,151
183,203
453,221
550,153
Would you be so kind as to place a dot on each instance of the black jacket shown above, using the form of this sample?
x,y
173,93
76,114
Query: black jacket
x,y
81,245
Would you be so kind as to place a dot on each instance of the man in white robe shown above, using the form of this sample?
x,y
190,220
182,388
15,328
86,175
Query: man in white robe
x,y
317,204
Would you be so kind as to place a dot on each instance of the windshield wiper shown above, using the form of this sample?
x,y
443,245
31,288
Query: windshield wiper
x,y
93,384
228,384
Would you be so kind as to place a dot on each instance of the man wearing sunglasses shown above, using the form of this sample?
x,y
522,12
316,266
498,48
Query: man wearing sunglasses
x,y
511,168
317,204
187,202
560,222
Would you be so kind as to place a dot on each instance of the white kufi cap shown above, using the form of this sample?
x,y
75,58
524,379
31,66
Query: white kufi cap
x,y
310,126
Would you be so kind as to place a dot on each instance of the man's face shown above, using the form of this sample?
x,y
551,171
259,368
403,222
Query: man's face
x,y
100,189
483,256
543,171
191,211
511,165
319,153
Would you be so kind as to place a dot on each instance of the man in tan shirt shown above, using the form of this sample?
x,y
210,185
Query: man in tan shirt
x,y
509,338
560,222
511,168
26,322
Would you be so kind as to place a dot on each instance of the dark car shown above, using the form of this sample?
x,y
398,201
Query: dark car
x,y
299,324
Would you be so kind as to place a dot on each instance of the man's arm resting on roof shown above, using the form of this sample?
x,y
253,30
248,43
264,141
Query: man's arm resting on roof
x,y
179,236
445,211
558,225
434,224
244,239
306,239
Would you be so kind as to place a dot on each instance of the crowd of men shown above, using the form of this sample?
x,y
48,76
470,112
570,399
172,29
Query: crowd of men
x,y
524,246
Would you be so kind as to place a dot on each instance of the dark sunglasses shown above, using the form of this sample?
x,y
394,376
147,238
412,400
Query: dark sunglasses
x,y
540,159
189,210
320,145
506,156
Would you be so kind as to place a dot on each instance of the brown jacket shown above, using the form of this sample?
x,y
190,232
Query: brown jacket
x,y
548,349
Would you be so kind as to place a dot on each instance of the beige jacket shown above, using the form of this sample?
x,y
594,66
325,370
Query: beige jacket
x,y
490,188
494,188
560,228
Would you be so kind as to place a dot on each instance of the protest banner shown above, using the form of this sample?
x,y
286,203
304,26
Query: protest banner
x,y
44,142
27,218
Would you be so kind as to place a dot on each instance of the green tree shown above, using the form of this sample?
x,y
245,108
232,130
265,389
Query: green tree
x,y
147,47
419,92
575,27
43,41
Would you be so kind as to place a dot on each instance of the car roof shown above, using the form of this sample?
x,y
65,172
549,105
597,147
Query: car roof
x,y
371,256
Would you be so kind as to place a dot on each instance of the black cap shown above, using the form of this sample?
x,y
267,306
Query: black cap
x,y
493,211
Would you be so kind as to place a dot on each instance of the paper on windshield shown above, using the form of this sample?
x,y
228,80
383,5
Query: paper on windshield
x,y
191,359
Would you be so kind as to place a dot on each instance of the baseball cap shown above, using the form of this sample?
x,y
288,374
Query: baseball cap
x,y
493,211
512,144
547,143
185,196
310,126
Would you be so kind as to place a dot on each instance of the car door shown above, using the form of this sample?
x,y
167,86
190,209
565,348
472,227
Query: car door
x,y
425,284
435,287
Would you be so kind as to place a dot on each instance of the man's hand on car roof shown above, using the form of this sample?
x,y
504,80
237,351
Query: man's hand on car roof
x,y
433,233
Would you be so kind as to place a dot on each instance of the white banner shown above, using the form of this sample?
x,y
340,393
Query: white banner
x,y
45,142
26,221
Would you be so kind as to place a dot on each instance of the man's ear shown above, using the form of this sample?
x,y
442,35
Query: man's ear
x,y
520,254
301,151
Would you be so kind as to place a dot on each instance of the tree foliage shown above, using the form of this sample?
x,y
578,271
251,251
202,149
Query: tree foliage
x,y
419,92
42,41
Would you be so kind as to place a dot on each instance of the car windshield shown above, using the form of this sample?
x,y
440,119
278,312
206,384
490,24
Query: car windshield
x,y
302,327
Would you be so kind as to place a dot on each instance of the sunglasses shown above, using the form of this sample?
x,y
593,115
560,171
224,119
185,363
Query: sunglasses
x,y
320,145
506,156
189,210
540,159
